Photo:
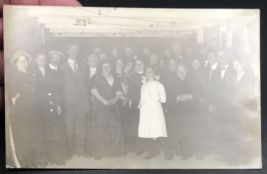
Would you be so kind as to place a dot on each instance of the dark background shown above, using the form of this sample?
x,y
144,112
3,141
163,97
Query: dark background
x,y
247,4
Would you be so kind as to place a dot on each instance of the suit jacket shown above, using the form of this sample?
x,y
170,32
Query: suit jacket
x,y
135,84
75,89
47,90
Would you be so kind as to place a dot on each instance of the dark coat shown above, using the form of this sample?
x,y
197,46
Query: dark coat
x,y
75,92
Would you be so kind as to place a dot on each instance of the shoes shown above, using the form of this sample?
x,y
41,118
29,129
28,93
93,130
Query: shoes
x,y
140,152
150,156
98,157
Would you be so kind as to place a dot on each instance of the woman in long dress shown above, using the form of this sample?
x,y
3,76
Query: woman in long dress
x,y
152,121
26,122
107,135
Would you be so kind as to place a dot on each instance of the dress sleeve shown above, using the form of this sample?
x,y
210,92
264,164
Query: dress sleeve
x,y
162,93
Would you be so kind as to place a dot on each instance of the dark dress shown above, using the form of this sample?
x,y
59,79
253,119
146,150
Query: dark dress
x,y
26,121
107,135
49,96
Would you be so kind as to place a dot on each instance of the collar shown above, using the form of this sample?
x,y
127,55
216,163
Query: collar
x,y
226,66
140,72
71,61
93,69
214,66
52,67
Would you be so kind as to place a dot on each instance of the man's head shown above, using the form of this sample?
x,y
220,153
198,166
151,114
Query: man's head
x,y
153,60
73,50
212,58
22,63
181,71
167,53
97,51
106,68
222,58
55,58
146,52
128,66
92,61
139,66
128,52
102,57
115,52
196,64
177,50
40,60
172,65
238,67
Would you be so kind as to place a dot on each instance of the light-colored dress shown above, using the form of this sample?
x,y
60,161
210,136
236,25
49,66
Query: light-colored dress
x,y
152,121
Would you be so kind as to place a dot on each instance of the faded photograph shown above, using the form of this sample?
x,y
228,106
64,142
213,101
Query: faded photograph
x,y
129,88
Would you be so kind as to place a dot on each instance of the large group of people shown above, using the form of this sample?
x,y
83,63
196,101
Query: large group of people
x,y
184,101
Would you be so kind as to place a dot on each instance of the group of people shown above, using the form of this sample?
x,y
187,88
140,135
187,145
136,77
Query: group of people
x,y
110,105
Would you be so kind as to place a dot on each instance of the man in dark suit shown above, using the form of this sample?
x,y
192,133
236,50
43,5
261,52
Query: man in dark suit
x,y
136,81
76,101
92,72
48,91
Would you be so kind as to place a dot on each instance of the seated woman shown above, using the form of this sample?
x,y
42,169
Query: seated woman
x,y
152,124
107,135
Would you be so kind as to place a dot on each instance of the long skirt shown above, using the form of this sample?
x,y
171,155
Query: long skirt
x,y
107,134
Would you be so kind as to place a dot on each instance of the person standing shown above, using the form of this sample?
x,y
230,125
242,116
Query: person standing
x,y
136,80
26,122
152,126
76,101
49,96
107,135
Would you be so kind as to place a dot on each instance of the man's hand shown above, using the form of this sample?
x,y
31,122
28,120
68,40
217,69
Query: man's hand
x,y
23,2
58,110
105,102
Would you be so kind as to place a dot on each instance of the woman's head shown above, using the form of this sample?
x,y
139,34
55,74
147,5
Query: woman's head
x,y
22,63
150,73
172,65
106,68
238,67
119,65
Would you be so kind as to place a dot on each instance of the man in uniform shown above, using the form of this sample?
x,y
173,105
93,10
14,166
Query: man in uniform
x,y
76,101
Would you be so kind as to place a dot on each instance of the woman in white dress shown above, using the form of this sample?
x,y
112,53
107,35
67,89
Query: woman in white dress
x,y
152,122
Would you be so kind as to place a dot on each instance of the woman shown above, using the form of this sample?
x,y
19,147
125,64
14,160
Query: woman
x,y
107,135
26,122
152,121
128,69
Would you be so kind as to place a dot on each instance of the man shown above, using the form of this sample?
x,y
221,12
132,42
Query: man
x,y
129,55
178,54
154,63
76,101
92,65
48,90
97,51
136,80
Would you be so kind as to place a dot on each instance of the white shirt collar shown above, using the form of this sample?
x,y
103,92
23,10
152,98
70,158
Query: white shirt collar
x,y
140,72
93,68
206,63
70,60
214,66
52,67
226,66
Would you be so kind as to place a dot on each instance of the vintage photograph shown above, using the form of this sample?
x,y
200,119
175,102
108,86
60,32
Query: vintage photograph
x,y
132,88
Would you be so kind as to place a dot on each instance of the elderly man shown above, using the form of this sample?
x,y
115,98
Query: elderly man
x,y
49,96
76,101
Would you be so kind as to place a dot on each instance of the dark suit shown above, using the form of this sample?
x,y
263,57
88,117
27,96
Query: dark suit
x,y
76,105
49,96
90,80
135,84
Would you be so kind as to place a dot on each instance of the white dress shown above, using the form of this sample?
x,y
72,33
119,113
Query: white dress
x,y
152,121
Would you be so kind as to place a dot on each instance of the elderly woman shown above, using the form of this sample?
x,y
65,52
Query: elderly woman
x,y
107,135
26,122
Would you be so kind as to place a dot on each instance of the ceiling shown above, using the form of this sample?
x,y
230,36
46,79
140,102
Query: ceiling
x,y
136,22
